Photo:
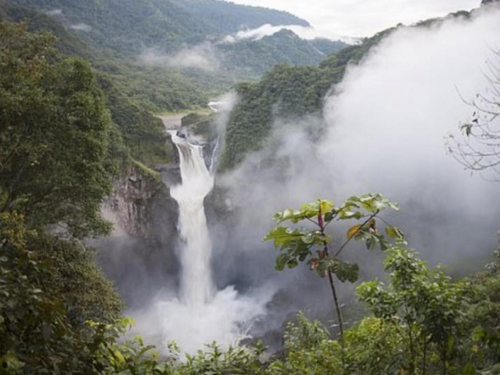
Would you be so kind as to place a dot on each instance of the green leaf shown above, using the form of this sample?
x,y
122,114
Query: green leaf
x,y
347,215
308,239
287,214
371,241
329,216
384,244
347,271
119,356
283,235
281,261
394,232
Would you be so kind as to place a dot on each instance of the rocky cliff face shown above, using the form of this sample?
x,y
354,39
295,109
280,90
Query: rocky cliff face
x,y
141,204
139,256
131,200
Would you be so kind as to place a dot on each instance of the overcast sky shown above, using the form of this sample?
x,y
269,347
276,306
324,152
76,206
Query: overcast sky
x,y
363,17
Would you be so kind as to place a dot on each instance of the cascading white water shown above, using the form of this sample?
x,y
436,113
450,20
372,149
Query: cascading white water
x,y
200,314
196,276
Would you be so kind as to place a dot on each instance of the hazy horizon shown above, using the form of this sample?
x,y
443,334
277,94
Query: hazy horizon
x,y
362,18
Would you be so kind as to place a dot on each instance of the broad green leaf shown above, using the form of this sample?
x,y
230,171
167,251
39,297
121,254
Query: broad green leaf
x,y
384,244
371,241
347,271
281,235
347,215
329,216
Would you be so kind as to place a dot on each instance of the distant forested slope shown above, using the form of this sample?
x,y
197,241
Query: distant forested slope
x,y
285,92
129,26
114,34
284,47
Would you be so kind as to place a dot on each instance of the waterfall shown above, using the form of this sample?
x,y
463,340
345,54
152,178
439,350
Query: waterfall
x,y
196,277
198,314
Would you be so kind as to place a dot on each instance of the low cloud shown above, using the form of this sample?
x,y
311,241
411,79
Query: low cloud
x,y
81,27
54,12
202,57
363,18
307,33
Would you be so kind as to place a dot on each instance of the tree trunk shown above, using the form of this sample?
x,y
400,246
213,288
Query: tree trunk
x,y
339,316
412,351
443,359
424,364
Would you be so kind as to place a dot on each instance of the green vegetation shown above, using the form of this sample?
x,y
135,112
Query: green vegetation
x,y
130,25
53,128
115,34
286,92
421,325
56,162
256,57
135,89
298,244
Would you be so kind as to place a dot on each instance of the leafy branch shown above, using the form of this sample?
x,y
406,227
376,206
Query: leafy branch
x,y
297,244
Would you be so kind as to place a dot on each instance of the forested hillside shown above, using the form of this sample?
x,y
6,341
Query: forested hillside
x,y
286,92
130,26
114,37
256,57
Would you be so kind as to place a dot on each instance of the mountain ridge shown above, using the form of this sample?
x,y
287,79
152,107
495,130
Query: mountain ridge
x,y
166,24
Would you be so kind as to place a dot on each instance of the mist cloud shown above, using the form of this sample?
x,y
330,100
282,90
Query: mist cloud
x,y
363,18
81,27
54,12
307,33
388,121
202,57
